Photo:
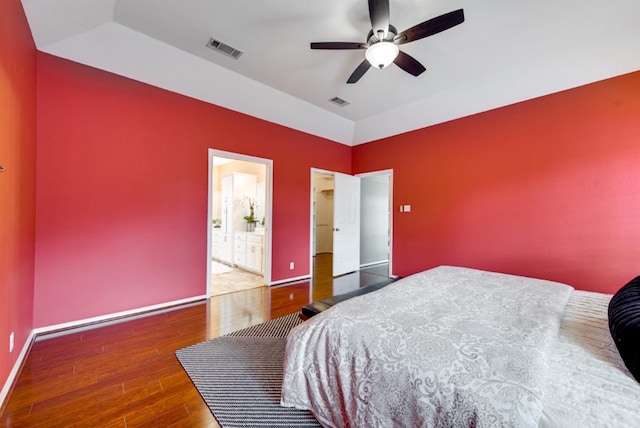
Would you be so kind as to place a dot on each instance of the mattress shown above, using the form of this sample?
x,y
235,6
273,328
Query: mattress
x,y
588,384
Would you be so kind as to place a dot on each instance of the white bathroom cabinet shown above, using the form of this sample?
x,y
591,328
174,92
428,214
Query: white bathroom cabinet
x,y
248,251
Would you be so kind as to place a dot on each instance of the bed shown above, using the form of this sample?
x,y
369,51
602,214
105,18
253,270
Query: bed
x,y
454,346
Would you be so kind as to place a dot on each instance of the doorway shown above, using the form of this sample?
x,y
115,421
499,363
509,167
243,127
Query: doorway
x,y
375,211
376,218
239,236
322,212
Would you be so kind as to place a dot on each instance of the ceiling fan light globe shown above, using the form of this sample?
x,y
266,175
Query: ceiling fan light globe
x,y
381,54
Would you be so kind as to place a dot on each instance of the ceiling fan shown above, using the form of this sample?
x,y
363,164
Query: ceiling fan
x,y
383,40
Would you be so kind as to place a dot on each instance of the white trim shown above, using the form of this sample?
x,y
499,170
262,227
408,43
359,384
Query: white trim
x,y
268,163
16,368
379,172
207,284
379,262
87,322
286,280
388,172
312,226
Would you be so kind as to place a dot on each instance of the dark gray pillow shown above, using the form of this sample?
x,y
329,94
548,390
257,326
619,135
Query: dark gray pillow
x,y
624,324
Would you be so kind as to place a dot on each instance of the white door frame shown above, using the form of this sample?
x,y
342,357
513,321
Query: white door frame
x,y
268,211
312,226
388,172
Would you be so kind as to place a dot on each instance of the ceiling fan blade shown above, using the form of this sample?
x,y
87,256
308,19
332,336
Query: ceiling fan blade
x,y
359,71
337,45
409,64
431,27
379,14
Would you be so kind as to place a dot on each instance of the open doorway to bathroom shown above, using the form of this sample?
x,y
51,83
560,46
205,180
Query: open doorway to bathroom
x,y
239,212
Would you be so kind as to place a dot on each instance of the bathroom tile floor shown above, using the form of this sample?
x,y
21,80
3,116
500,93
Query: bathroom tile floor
x,y
234,280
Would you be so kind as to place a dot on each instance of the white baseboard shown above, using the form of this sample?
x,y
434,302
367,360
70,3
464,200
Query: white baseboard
x,y
284,281
16,368
88,323
380,262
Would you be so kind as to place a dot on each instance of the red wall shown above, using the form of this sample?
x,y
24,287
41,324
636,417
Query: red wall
x,y
122,191
17,183
547,188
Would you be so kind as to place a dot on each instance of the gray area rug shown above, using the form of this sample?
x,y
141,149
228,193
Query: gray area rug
x,y
239,376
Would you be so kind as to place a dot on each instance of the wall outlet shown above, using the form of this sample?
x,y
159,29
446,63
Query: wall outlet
x,y
291,265
11,342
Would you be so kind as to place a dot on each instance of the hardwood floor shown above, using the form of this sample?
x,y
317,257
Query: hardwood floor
x,y
126,374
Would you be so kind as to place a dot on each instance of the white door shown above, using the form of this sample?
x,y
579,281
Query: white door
x,y
346,224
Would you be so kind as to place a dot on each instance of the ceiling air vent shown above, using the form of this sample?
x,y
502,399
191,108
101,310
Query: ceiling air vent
x,y
339,101
223,48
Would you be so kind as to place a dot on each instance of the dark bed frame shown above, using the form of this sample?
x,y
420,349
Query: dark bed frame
x,y
315,308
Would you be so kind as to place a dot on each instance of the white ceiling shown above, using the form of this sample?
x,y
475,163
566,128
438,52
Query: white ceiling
x,y
505,52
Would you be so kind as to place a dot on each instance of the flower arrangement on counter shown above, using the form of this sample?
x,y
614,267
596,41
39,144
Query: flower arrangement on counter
x,y
251,219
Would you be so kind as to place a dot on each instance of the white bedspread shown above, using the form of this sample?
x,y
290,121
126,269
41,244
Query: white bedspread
x,y
445,347
589,385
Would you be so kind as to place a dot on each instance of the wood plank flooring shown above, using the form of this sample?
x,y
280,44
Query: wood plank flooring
x,y
126,374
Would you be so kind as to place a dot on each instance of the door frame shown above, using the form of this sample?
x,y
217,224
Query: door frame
x,y
312,231
388,172
211,153
312,226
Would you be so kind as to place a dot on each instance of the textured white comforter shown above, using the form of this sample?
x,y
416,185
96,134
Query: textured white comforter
x,y
589,385
446,347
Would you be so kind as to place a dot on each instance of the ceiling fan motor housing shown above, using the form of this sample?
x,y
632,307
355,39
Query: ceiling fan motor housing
x,y
373,38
